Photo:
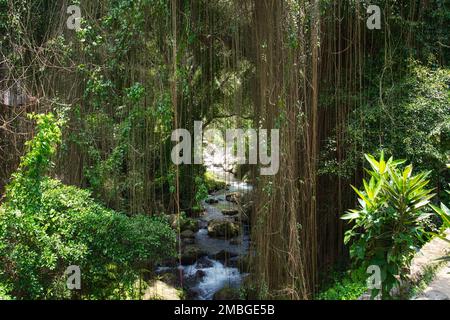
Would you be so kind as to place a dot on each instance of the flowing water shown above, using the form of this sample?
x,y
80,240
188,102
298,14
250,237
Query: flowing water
x,y
210,273
216,277
219,274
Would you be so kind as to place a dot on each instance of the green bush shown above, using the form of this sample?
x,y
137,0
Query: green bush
x,y
412,121
4,292
213,183
389,223
46,226
201,192
349,285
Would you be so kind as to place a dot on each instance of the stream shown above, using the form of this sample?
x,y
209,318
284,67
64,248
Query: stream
x,y
219,264
218,274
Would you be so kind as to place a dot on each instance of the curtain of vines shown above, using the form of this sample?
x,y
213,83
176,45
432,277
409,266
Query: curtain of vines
x,y
306,67
317,66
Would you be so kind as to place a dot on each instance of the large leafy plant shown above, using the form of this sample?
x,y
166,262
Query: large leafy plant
x,y
390,222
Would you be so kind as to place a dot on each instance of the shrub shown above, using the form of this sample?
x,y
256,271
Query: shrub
x,y
389,223
201,192
348,285
213,183
46,226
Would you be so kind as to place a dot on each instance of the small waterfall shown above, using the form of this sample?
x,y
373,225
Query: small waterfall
x,y
215,278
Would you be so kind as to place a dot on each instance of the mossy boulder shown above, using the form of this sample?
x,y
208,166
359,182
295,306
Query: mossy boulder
x,y
230,212
187,234
211,201
190,254
183,222
233,197
223,228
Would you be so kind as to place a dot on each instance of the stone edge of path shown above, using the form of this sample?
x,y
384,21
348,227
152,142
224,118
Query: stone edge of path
x,y
425,259
439,287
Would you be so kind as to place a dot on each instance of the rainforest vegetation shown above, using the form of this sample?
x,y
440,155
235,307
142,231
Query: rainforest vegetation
x,y
87,178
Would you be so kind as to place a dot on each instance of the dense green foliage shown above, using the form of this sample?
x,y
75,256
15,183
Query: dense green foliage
x,y
410,120
349,285
46,226
212,183
390,221
127,115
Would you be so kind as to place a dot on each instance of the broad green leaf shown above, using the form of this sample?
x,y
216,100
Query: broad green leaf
x,y
361,196
374,163
407,172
